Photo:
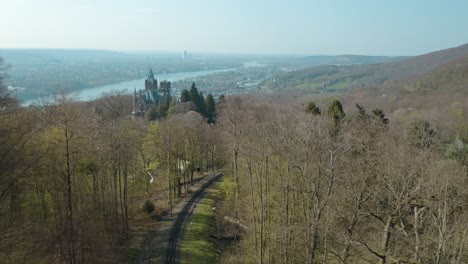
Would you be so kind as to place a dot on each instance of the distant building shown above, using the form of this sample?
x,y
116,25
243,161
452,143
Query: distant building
x,y
152,95
186,55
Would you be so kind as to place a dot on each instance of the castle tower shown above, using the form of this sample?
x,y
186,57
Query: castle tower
x,y
152,95
165,86
150,82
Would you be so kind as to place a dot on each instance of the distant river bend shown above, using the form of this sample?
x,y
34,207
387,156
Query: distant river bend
x,y
128,86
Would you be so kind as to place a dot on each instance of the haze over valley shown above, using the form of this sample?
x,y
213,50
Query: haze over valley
x,y
36,73
234,132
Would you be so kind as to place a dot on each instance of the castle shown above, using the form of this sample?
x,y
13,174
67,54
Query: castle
x,y
152,95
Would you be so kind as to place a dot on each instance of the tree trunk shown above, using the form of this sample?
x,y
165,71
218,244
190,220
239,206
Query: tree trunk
x,y
235,156
254,212
386,239
70,197
126,199
416,234
314,239
121,199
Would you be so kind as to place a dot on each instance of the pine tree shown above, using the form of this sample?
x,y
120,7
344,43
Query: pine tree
x,y
185,96
197,98
335,111
210,108
167,100
313,108
163,106
201,104
380,115
362,112
424,133
193,93
152,113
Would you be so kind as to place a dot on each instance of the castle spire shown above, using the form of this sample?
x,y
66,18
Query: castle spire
x,y
150,75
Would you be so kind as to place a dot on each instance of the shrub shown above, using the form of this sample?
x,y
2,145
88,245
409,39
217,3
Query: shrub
x,y
148,207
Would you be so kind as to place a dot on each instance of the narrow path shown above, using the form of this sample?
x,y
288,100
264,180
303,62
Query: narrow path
x,y
171,255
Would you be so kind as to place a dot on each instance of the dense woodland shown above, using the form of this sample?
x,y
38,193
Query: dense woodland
x,y
325,186
75,175
356,179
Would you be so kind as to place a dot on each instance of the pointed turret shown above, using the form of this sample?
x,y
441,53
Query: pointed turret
x,y
150,75
150,82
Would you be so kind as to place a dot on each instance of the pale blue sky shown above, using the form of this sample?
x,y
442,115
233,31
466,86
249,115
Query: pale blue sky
x,y
373,27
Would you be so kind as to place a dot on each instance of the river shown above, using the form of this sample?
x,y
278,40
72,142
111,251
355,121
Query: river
x,y
129,86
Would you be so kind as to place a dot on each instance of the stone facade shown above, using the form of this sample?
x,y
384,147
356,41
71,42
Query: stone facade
x,y
151,95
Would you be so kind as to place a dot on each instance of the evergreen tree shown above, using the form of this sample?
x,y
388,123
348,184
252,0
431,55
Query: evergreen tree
x,y
163,106
193,93
167,101
152,113
312,108
197,98
424,133
380,115
201,104
361,112
335,111
210,108
185,96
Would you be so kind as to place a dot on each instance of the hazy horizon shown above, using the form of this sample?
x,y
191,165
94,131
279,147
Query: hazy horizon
x,y
396,28
208,53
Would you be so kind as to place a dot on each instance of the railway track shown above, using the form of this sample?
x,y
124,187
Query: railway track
x,y
179,222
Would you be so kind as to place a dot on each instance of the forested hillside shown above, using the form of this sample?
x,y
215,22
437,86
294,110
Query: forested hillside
x,y
325,186
369,176
335,78
449,77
